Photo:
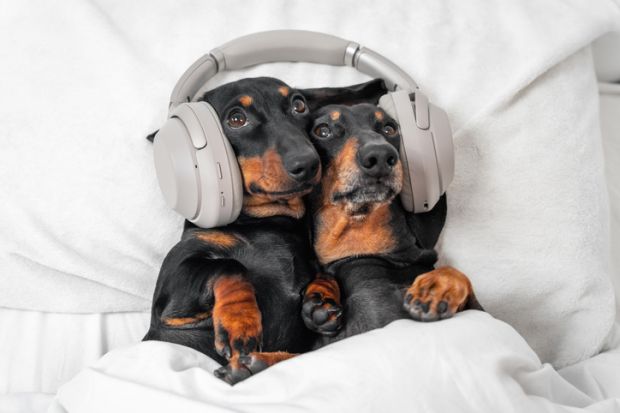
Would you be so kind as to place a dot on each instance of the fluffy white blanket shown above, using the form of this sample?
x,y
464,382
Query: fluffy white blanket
x,y
472,363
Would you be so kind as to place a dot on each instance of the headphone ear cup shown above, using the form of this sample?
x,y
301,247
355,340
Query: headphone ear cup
x,y
197,168
444,145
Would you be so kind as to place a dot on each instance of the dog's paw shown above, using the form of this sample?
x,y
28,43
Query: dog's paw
x,y
321,314
242,367
438,294
240,338
236,319
239,369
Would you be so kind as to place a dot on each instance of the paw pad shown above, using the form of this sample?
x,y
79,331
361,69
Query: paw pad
x,y
322,315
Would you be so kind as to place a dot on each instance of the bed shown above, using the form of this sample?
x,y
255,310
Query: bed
x,y
84,228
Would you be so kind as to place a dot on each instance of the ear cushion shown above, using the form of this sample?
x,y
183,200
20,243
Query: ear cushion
x,y
421,183
175,158
197,168
444,145
386,102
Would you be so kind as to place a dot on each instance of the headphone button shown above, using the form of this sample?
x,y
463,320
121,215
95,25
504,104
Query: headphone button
x,y
198,140
219,170
222,201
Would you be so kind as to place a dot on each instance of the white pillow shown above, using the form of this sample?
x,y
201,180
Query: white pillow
x,y
84,228
527,213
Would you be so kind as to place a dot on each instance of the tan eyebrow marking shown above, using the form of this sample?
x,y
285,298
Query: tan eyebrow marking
x,y
283,90
379,115
246,100
335,115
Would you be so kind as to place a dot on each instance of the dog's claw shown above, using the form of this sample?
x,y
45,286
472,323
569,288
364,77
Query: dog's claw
x,y
232,374
240,346
220,373
422,311
240,368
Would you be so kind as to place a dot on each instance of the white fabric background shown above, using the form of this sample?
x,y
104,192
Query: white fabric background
x,y
84,229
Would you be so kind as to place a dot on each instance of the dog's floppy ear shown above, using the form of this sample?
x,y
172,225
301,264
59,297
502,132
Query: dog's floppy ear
x,y
368,92
151,137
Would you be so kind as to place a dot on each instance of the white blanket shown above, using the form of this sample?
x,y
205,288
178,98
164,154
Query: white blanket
x,y
472,363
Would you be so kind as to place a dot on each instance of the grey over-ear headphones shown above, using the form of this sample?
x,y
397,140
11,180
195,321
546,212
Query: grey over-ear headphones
x,y
197,169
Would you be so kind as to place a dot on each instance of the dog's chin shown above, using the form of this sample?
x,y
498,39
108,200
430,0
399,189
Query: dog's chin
x,y
361,200
280,196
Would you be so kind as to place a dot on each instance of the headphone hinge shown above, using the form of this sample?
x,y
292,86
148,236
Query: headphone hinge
x,y
219,59
349,54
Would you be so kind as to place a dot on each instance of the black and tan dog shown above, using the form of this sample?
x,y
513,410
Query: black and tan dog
x,y
231,291
381,256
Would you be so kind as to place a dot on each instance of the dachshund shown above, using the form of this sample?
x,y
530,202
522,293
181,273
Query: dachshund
x,y
380,257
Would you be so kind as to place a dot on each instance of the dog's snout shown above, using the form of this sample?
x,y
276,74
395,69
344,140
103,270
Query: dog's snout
x,y
303,166
377,160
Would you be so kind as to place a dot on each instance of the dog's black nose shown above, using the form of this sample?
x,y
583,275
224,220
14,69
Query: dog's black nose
x,y
377,160
303,166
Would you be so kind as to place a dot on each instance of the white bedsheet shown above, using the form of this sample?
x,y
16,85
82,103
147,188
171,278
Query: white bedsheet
x,y
472,363
41,351
49,349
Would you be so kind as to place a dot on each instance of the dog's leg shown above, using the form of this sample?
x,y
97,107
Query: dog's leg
x,y
440,294
241,367
236,316
321,309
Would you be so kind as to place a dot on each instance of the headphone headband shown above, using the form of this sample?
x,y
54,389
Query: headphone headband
x,y
197,167
288,46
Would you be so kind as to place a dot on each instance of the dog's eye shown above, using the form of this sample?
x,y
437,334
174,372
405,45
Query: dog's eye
x,y
299,105
323,131
237,119
389,130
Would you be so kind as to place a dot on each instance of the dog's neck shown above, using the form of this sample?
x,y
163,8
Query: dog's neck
x,y
380,231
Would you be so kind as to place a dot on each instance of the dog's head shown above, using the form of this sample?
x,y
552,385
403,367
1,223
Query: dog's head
x,y
358,146
265,121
